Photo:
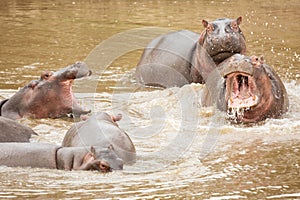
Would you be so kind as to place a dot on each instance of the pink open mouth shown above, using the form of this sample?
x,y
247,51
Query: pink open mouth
x,y
240,95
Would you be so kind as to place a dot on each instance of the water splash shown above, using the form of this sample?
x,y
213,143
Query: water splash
x,y
236,113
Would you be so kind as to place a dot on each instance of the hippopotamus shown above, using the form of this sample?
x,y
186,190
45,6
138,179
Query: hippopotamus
x,y
43,155
101,130
247,89
49,97
179,58
12,131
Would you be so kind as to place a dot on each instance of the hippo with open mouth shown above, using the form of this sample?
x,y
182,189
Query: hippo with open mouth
x,y
179,58
247,89
49,97
42,155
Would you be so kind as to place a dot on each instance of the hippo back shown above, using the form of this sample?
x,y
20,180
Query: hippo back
x,y
167,60
100,130
12,131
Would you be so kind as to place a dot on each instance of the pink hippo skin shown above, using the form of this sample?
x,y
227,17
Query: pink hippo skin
x,y
49,97
247,89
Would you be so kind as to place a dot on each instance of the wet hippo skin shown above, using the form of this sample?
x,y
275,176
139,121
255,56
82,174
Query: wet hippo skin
x,y
12,131
101,130
179,58
39,155
49,97
247,89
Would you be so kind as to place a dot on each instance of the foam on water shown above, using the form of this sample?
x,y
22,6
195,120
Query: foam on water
x,y
171,131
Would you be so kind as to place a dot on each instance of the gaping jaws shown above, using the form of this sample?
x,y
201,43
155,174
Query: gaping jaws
x,y
241,94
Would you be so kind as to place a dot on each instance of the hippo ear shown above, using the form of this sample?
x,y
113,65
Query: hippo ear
x,y
93,150
111,147
203,34
261,59
205,23
117,117
208,29
239,20
32,84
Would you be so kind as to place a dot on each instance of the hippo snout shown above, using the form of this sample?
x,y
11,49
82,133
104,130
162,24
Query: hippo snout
x,y
222,47
82,69
226,41
116,164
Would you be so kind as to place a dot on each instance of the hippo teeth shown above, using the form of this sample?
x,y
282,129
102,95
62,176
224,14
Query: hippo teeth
x,y
242,102
237,107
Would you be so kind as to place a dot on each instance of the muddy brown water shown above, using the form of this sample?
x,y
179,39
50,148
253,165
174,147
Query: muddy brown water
x,y
184,150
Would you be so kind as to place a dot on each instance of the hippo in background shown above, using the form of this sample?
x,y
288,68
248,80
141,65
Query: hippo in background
x,y
12,131
247,89
179,58
101,130
49,97
40,155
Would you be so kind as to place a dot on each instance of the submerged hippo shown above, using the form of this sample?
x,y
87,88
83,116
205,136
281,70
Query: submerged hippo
x,y
179,58
12,131
49,97
41,155
101,130
247,89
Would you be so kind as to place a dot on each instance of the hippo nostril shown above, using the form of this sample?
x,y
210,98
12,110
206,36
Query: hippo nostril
x,y
215,41
227,42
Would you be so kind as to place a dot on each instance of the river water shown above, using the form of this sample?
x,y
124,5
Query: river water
x,y
184,150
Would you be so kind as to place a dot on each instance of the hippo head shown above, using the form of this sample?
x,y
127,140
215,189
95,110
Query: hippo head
x,y
250,91
108,159
50,96
222,38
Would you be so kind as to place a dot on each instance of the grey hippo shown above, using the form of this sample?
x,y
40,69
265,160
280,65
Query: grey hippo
x,y
13,131
42,155
247,89
179,58
49,97
101,130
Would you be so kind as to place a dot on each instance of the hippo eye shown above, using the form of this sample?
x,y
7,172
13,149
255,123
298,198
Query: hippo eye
x,y
46,75
228,29
234,26
104,167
